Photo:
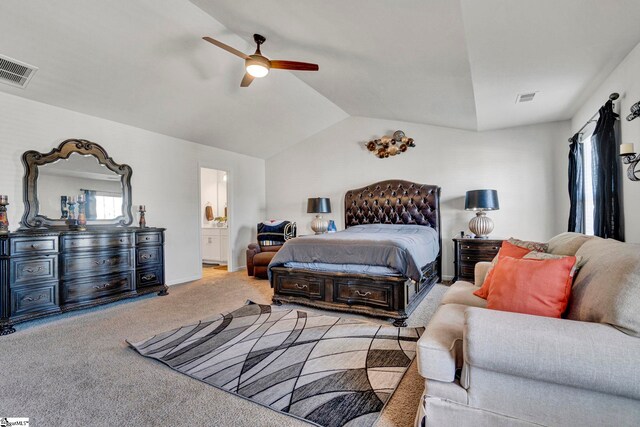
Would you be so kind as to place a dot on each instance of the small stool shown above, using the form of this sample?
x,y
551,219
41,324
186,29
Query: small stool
x,y
261,262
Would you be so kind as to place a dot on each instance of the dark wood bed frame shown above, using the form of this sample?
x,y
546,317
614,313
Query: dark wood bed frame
x,y
386,202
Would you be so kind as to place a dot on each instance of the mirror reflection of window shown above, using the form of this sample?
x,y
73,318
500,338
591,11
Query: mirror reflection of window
x,y
108,207
80,175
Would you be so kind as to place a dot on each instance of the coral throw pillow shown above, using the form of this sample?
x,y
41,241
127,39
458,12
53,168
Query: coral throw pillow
x,y
530,286
507,249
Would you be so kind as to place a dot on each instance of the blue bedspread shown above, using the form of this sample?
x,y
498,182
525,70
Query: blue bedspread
x,y
405,249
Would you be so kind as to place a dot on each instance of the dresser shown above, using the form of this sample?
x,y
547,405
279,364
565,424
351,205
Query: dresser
x,y
470,251
43,273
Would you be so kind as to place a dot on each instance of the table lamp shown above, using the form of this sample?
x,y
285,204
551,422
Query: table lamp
x,y
481,201
319,205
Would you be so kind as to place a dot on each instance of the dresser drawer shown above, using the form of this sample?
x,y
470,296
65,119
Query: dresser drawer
x,y
35,269
148,255
476,257
41,298
150,277
355,292
306,287
71,243
100,263
479,247
153,237
31,245
80,290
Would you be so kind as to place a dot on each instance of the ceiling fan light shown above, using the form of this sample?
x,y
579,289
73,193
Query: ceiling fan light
x,y
257,70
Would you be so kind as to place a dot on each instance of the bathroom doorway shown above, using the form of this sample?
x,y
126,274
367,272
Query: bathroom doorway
x,y
214,229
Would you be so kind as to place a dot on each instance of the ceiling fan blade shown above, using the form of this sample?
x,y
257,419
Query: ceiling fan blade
x,y
294,65
226,47
246,80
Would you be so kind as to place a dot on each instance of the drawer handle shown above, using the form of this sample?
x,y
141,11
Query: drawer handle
x,y
495,248
148,277
467,258
121,240
147,238
108,284
34,246
33,270
362,294
109,261
146,256
38,298
466,247
305,286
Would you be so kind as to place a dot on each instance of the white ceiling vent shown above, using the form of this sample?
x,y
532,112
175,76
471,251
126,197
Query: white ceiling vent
x,y
15,73
525,97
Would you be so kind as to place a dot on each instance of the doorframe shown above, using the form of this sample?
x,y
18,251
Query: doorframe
x,y
230,213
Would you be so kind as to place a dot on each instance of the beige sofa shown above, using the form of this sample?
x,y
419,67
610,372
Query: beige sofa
x,y
491,368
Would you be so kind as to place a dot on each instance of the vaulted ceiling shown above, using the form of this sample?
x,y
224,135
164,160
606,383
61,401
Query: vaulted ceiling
x,y
455,63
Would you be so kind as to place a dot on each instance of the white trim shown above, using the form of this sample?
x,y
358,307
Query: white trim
x,y
184,280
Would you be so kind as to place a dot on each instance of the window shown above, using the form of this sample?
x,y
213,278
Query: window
x,y
588,182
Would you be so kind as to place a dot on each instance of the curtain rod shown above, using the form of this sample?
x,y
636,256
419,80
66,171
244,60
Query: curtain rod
x,y
612,97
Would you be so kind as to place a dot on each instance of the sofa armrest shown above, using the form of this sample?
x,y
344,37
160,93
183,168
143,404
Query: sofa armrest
x,y
480,272
252,250
586,355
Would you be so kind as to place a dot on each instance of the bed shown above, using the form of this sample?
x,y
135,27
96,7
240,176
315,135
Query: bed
x,y
383,264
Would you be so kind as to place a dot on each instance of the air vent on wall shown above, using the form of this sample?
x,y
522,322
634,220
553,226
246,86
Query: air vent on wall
x,y
15,73
525,97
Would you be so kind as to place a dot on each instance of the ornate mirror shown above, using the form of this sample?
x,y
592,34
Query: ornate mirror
x,y
77,171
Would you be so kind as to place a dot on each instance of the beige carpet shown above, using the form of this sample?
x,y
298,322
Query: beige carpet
x,y
78,370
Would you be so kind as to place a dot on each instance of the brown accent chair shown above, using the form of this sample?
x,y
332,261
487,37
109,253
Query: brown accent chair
x,y
258,259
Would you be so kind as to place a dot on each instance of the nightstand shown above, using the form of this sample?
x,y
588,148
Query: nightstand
x,y
469,251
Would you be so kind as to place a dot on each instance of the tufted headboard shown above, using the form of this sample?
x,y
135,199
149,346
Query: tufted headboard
x,y
395,202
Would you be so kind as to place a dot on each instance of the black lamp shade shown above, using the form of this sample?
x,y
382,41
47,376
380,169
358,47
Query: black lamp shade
x,y
485,200
318,205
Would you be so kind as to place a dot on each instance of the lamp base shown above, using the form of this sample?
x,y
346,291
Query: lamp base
x,y
319,225
481,225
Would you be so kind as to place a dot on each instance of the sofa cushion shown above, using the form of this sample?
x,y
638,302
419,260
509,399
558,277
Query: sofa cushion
x,y
567,243
506,250
532,286
440,346
461,292
607,288
532,246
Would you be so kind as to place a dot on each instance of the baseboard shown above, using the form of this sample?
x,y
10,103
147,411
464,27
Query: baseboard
x,y
242,267
183,280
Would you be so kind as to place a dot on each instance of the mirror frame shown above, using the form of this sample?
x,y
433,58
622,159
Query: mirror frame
x,y
33,159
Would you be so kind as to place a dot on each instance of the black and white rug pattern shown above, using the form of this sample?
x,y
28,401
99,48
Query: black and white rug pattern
x,y
328,370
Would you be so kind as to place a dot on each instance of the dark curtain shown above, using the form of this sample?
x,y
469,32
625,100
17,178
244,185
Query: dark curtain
x,y
607,217
90,206
576,185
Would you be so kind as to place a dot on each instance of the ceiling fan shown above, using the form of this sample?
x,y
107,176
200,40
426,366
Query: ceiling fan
x,y
258,65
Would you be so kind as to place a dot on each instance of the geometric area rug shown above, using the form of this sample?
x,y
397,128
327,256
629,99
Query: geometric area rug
x,y
326,370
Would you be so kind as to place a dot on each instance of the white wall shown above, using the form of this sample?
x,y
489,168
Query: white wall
x,y
165,175
625,80
518,162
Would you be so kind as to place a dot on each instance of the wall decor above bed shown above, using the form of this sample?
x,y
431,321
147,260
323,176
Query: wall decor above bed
x,y
384,262
393,145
